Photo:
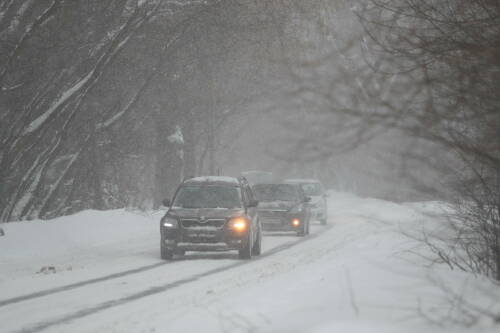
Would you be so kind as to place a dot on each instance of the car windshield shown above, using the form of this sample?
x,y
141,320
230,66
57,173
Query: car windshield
x,y
312,189
208,196
273,192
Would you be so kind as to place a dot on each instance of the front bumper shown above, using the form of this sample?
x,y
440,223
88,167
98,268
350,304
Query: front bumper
x,y
204,238
279,220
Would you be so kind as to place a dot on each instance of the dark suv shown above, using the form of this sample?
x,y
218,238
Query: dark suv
x,y
283,207
211,214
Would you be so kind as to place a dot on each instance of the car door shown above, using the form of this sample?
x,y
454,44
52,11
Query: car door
x,y
252,212
306,205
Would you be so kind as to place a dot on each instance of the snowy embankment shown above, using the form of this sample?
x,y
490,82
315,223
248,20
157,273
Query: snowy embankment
x,y
73,242
361,275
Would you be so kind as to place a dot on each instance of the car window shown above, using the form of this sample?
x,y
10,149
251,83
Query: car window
x,y
302,194
244,193
312,189
272,192
249,193
208,196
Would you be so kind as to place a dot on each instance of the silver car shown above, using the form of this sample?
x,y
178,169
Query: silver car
x,y
314,189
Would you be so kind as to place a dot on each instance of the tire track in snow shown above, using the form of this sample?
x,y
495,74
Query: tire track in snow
x,y
72,286
150,291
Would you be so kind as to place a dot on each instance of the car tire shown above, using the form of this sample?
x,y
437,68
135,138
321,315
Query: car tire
x,y
257,246
302,231
246,251
166,253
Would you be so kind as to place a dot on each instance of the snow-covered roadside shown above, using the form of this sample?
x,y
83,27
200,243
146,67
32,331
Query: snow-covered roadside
x,y
72,243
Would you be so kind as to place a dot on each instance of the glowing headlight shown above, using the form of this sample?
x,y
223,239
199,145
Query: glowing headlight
x,y
169,222
295,222
238,223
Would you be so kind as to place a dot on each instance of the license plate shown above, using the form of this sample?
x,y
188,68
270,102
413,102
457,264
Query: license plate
x,y
201,234
272,221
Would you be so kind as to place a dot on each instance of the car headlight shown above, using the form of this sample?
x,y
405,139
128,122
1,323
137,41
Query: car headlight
x,y
169,222
238,223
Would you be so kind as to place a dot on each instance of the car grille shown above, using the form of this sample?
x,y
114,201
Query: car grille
x,y
270,216
194,223
271,213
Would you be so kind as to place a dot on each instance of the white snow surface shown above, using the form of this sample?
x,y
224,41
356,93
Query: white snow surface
x,y
355,275
302,180
35,124
177,136
223,179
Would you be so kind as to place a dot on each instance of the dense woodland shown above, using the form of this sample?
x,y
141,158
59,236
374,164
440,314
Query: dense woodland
x,y
110,103
107,103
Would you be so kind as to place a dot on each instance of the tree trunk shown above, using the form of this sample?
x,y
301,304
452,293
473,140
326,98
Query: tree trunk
x,y
189,150
168,166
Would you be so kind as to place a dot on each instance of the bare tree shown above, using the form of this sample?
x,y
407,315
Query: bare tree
x,y
109,103
450,50
426,70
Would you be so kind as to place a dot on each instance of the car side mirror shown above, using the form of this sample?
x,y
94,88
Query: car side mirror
x,y
307,199
166,202
253,203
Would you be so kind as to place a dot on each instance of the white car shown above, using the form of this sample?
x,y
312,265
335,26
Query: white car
x,y
314,189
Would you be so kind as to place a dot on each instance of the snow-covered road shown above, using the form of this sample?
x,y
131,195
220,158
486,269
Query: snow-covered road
x,y
48,307
351,276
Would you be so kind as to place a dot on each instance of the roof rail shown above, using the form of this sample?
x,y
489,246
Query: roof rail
x,y
187,178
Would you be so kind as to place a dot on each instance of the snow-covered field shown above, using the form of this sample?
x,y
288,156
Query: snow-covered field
x,y
101,272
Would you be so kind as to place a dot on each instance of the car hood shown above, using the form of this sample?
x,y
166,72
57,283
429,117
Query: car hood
x,y
204,212
278,205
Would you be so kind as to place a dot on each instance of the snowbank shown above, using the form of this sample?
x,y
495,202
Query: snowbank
x,y
83,230
28,246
